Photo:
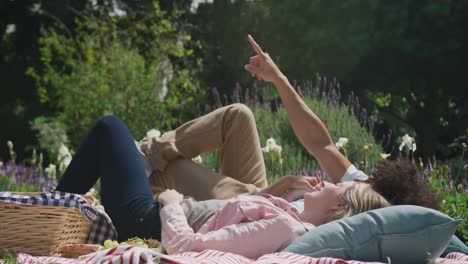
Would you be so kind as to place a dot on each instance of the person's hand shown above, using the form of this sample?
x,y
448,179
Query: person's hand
x,y
170,197
294,195
308,183
261,65
299,185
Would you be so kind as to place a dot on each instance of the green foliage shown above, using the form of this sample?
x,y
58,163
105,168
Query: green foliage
x,y
211,160
51,134
302,36
138,67
411,74
419,67
8,257
340,123
8,185
321,40
455,197
458,172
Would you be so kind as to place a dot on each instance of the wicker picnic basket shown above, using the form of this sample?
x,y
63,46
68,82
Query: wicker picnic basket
x,y
38,230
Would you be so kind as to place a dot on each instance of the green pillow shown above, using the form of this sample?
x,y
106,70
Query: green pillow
x,y
402,233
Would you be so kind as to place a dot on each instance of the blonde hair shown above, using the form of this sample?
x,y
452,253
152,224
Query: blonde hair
x,y
358,198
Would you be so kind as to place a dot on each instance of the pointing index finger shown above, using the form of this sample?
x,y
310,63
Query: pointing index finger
x,y
255,46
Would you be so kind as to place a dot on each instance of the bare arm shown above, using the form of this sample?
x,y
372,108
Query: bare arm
x,y
311,132
308,128
278,188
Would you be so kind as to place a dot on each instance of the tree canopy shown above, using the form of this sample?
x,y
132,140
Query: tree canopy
x,y
405,59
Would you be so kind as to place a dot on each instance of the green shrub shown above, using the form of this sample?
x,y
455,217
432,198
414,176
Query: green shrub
x,y
51,134
452,188
458,172
7,185
340,123
140,67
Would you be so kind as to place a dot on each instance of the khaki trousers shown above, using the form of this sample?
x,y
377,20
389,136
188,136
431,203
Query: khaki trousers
x,y
232,131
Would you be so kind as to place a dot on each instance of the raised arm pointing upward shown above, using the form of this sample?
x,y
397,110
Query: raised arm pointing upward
x,y
308,128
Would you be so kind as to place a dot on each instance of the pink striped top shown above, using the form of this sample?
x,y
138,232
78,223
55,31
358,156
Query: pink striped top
x,y
248,225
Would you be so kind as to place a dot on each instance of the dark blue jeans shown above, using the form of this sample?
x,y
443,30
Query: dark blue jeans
x,y
109,152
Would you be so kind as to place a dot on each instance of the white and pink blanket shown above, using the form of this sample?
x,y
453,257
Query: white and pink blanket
x,y
136,255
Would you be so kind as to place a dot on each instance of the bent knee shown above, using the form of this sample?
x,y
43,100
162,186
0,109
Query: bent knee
x,y
242,111
108,122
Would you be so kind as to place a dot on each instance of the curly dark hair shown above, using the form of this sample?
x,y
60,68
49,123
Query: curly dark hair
x,y
400,182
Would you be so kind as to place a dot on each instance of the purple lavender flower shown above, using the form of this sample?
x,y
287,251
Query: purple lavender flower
x,y
22,175
237,93
429,165
215,93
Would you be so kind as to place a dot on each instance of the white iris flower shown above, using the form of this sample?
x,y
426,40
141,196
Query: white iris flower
x,y
342,142
64,157
408,142
272,146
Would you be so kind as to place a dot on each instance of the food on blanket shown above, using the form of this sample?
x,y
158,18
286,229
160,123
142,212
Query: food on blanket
x,y
137,242
110,244
76,250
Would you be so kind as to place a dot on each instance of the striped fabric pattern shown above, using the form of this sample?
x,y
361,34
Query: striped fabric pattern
x,y
453,258
101,228
134,255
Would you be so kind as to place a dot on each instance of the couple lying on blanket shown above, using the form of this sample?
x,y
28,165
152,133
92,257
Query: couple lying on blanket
x,y
233,210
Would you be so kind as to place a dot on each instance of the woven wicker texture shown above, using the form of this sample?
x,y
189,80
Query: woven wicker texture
x,y
38,230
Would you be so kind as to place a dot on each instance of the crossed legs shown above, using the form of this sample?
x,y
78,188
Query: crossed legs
x,y
232,131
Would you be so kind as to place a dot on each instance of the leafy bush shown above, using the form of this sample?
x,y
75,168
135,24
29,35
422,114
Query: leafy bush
x,y
453,189
51,134
139,67
340,123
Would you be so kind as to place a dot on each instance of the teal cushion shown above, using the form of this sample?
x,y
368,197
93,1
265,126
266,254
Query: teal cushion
x,y
455,245
403,233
